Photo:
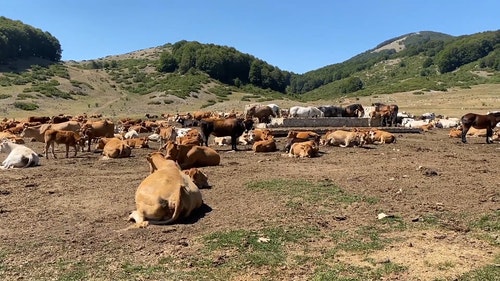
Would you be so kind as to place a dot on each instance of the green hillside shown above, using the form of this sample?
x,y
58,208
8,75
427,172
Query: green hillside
x,y
202,75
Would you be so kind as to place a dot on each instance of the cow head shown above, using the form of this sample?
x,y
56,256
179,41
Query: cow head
x,y
171,150
199,178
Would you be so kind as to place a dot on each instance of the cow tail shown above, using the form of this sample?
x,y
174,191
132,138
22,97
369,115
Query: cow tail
x,y
177,209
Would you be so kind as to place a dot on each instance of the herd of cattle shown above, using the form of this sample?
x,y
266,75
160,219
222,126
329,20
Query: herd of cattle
x,y
172,190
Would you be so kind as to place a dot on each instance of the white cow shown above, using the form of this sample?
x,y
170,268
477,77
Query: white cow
x,y
412,123
131,134
305,111
19,156
276,109
447,123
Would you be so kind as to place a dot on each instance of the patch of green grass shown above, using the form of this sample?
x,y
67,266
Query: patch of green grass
x,y
323,192
363,239
345,272
23,96
489,222
28,106
4,96
209,103
70,271
256,248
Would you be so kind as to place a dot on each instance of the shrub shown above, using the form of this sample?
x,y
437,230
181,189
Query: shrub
x,y
28,106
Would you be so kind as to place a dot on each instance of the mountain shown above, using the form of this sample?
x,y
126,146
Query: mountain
x,y
188,75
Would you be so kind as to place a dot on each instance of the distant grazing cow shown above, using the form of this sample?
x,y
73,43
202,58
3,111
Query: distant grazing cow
x,y
19,156
232,127
68,138
165,196
189,156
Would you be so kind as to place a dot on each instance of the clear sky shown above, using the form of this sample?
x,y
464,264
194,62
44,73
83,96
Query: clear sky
x,y
294,35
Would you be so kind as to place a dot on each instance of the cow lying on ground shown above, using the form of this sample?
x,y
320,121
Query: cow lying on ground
x,y
345,138
190,156
304,149
113,148
381,136
157,158
267,145
300,136
68,138
165,196
19,156
137,142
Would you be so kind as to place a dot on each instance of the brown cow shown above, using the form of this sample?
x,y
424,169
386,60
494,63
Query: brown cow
x,y
267,145
345,138
156,160
137,142
166,134
300,136
304,149
68,138
97,129
115,148
165,196
381,136
189,156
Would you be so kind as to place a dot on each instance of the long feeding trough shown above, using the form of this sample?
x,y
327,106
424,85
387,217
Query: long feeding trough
x,y
280,126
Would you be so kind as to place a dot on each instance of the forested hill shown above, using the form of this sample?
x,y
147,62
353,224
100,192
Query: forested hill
x,y
416,61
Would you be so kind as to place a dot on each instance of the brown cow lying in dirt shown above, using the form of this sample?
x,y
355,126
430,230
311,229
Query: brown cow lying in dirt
x,y
381,136
113,148
165,196
345,138
157,158
300,136
266,145
137,142
304,149
190,156
68,138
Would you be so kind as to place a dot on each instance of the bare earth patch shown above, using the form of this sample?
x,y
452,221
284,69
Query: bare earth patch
x,y
63,219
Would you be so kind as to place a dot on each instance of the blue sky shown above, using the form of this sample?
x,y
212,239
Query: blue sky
x,y
293,35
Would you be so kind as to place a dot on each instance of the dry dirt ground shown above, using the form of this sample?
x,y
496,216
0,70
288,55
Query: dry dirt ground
x,y
63,220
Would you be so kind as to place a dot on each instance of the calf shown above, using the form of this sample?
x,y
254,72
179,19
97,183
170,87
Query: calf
x,y
189,156
165,196
19,156
69,138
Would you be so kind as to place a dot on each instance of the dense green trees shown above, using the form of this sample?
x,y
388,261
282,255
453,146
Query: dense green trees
x,y
223,63
18,40
467,49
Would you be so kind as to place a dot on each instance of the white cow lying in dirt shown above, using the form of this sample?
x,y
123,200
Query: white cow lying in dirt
x,y
165,195
19,156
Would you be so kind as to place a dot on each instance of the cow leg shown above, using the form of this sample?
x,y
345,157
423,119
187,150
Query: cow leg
x,y
233,143
489,135
464,133
53,153
67,150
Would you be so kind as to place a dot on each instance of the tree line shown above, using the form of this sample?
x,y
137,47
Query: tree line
x,y
222,63
19,41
